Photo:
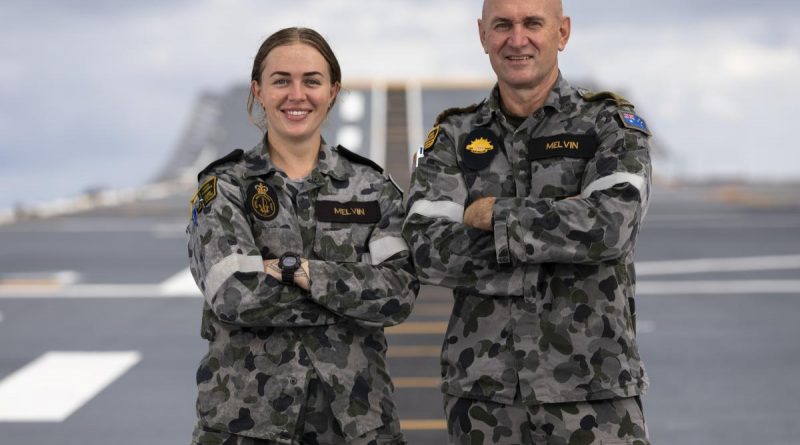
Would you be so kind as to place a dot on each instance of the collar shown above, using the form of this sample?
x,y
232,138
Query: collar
x,y
557,100
329,163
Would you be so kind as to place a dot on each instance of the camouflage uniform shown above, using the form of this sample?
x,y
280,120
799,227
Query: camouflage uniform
x,y
544,303
267,340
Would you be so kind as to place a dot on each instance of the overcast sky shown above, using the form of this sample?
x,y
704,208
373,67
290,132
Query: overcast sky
x,y
97,93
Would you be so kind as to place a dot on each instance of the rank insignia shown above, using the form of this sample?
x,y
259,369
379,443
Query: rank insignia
x,y
262,201
480,147
431,139
203,197
634,122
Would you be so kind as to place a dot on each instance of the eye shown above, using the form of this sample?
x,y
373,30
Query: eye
x,y
280,82
313,82
533,24
502,26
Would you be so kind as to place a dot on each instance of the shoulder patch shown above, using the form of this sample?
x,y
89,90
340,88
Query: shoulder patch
x,y
357,158
431,139
235,155
456,110
594,96
632,121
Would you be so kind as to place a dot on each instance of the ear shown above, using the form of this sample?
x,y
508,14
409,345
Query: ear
x,y
564,32
335,88
255,88
482,36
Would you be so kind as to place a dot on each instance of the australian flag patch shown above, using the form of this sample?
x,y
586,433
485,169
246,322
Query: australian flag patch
x,y
633,121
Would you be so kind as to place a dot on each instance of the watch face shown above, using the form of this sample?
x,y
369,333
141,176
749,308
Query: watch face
x,y
289,261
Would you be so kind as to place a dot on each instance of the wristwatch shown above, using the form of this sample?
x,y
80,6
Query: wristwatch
x,y
288,264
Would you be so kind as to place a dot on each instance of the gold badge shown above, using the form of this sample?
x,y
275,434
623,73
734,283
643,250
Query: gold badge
x,y
262,203
480,146
431,137
204,195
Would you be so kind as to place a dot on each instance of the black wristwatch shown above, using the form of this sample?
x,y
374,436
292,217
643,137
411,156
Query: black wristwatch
x,y
288,264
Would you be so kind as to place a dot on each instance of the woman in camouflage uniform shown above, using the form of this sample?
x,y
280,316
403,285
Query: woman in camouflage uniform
x,y
297,249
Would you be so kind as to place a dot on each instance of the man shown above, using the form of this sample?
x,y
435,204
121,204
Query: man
x,y
528,205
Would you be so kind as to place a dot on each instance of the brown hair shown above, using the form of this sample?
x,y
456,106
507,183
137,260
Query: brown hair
x,y
288,36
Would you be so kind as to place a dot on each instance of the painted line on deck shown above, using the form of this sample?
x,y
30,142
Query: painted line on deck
x,y
55,385
703,265
411,351
417,382
418,328
719,287
423,424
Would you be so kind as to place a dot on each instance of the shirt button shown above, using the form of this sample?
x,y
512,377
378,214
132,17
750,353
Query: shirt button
x,y
292,380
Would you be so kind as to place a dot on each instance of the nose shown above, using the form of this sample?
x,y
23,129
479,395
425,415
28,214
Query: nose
x,y
296,91
518,36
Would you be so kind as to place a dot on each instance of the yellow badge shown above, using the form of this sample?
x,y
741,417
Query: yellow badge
x,y
480,146
429,141
205,194
262,203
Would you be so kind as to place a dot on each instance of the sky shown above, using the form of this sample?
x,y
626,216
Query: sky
x,y
97,93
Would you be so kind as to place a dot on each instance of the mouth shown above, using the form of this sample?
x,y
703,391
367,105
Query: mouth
x,y
296,114
519,58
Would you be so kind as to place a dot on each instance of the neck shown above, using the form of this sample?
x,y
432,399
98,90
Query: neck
x,y
522,101
295,158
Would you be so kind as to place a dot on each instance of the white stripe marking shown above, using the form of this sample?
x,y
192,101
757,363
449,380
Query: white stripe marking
x,y
381,249
438,209
182,283
609,181
701,265
228,266
55,385
755,287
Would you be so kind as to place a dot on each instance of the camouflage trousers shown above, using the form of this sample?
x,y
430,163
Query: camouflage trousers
x,y
316,426
601,422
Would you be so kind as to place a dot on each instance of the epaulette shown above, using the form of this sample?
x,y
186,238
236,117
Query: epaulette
x,y
594,96
235,155
456,110
357,158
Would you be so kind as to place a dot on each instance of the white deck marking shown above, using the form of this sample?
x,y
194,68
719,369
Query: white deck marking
x,y
182,283
702,265
720,287
55,385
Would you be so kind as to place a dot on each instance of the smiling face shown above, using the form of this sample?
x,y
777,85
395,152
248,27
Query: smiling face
x,y
296,91
523,38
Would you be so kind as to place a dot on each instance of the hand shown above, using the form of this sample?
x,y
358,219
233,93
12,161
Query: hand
x,y
479,213
272,269
301,277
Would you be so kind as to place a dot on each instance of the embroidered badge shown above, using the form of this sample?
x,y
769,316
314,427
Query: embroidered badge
x,y
431,139
262,201
366,212
203,197
633,121
480,147
563,145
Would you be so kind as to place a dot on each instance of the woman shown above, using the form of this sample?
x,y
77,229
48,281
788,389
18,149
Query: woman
x,y
296,247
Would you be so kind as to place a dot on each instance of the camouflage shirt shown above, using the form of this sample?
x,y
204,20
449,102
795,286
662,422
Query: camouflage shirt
x,y
544,303
267,339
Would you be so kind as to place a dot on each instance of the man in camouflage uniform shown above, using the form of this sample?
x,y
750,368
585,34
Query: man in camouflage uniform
x,y
528,205
288,365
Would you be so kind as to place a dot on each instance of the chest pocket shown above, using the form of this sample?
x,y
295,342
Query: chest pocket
x,y
344,229
558,164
